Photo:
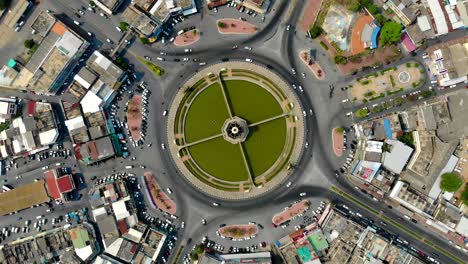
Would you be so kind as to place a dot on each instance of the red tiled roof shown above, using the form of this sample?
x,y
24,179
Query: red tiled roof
x,y
65,184
77,152
122,226
31,107
93,151
51,183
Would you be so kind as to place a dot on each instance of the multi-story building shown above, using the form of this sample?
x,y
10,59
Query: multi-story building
x,y
58,54
109,6
449,63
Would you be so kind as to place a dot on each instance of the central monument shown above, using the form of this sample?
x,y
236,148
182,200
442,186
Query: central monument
x,y
235,130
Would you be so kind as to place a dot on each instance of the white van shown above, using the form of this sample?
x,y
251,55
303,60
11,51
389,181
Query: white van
x,y
129,167
39,216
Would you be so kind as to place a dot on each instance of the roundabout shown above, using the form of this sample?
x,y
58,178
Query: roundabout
x,y
235,130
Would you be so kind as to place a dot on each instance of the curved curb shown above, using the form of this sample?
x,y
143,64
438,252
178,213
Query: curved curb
x,y
232,20
195,40
295,155
336,148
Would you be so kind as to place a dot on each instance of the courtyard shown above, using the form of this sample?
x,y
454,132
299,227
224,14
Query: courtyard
x,y
387,82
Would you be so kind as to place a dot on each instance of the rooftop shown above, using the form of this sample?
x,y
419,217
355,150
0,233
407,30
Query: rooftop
x,y
23,197
17,8
395,160
43,22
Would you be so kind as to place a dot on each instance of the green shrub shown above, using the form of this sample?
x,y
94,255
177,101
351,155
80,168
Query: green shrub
x,y
315,31
395,91
451,182
221,24
362,113
369,94
324,46
366,82
365,100
339,59
144,40
408,64
124,25
392,80
407,138
373,74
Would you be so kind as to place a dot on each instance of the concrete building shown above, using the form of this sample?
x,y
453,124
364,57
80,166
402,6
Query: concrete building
x,y
258,257
396,158
259,6
449,64
23,197
109,6
403,11
58,185
30,134
56,57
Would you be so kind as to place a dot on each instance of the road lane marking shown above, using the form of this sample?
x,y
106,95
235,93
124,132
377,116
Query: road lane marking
x,y
395,224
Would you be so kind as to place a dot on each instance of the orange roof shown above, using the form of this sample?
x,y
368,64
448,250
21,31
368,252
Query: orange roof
x,y
357,46
59,28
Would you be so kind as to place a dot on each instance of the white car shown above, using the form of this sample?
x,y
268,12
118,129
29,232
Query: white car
x,y
302,194
165,113
215,204
90,34
248,60
247,48
118,29
109,41
76,22
345,100
288,184
169,190
185,59
288,27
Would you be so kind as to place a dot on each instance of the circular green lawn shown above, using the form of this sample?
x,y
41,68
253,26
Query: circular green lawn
x,y
205,118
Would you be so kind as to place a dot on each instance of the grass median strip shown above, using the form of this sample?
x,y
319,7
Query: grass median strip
x,y
387,219
155,69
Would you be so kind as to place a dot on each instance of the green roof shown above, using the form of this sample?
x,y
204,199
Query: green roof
x,y
304,253
79,237
318,241
11,63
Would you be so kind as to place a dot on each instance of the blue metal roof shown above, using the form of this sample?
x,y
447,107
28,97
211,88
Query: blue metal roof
x,y
388,128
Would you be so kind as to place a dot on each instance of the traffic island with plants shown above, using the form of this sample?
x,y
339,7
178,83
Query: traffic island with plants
x,y
134,117
158,196
235,26
187,38
338,141
238,231
313,66
290,213
155,69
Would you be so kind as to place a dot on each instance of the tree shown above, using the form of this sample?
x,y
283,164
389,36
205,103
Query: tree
x,y
451,182
362,113
340,59
221,24
92,4
373,9
29,43
464,195
315,31
407,139
198,249
391,33
380,19
4,4
144,40
354,6
124,25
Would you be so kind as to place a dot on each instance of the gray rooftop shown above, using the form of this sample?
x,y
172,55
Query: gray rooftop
x,y
396,159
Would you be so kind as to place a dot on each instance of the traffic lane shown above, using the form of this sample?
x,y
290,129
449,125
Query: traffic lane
x,y
269,28
392,214
392,230
103,28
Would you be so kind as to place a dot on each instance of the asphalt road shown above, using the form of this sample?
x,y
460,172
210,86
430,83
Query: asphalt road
x,y
275,46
